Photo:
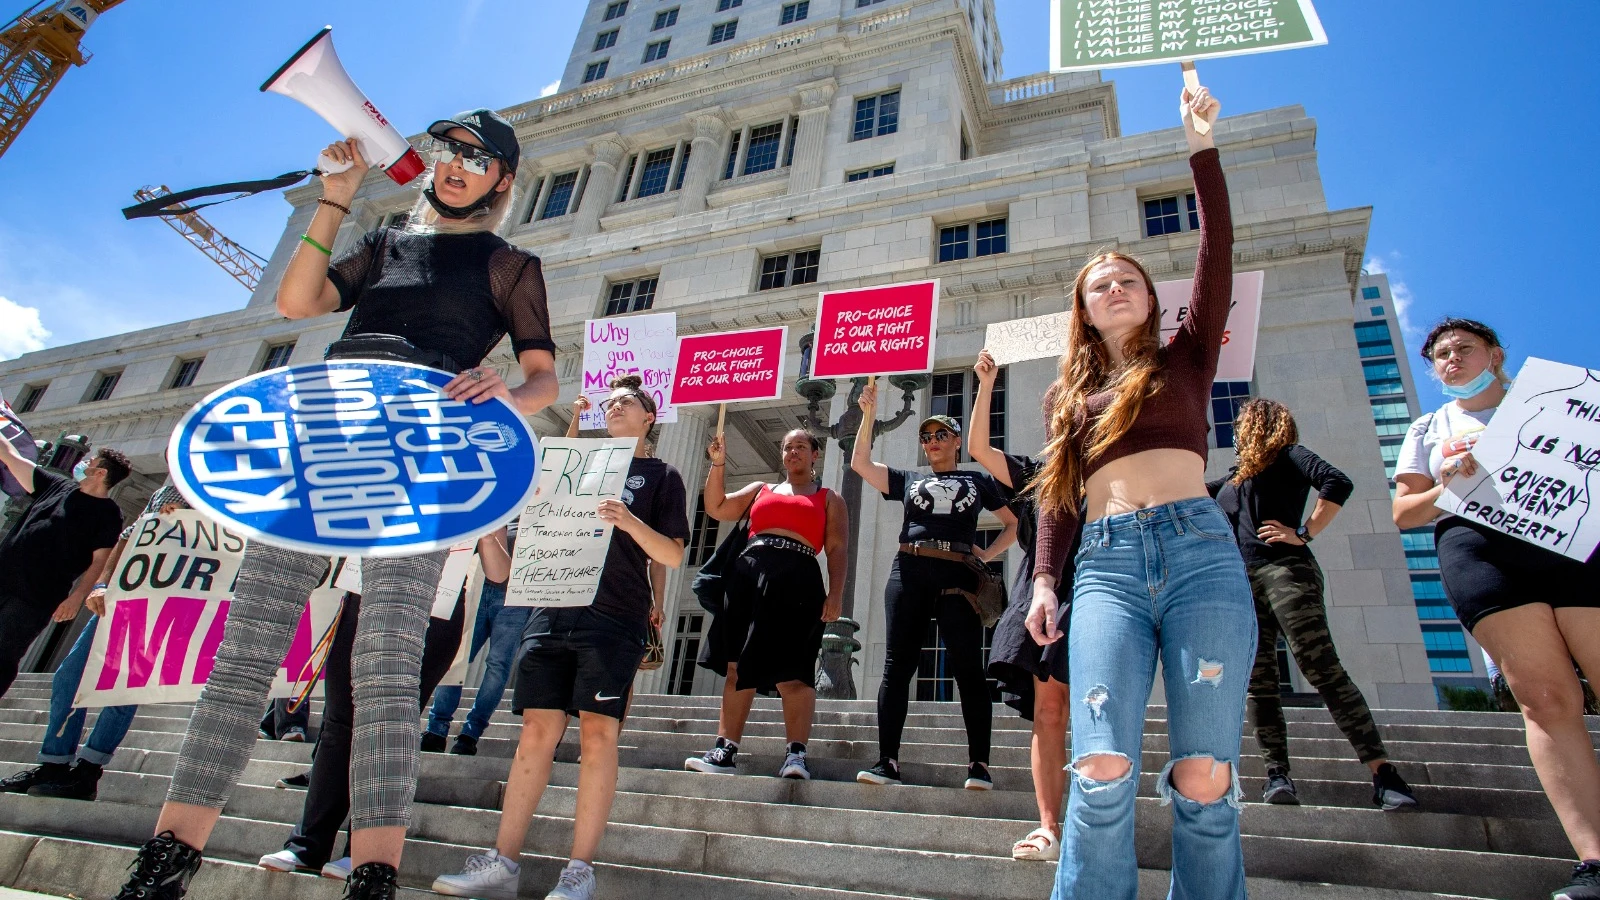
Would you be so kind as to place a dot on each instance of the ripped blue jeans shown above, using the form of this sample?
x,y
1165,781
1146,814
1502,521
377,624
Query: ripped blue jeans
x,y
1168,583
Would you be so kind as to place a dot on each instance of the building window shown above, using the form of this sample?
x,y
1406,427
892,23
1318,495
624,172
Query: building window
x,y
683,166
725,5
1382,377
31,395
104,385
1227,397
1389,447
616,10
997,409
631,296
657,169
1371,293
658,50
724,31
1447,648
560,199
665,19
788,269
277,356
1392,417
1373,339
703,536
764,146
1377,310
605,39
795,12
733,155
1428,592
626,181
1420,551
953,393
864,174
862,4
685,653
935,680
974,239
184,377
877,116
595,71
1164,215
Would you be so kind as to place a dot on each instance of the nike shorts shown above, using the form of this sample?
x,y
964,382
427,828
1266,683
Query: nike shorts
x,y
578,660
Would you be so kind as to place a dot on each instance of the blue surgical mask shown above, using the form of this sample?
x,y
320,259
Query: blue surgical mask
x,y
1471,389
81,470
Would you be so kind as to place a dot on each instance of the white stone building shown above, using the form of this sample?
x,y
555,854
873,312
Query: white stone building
x,y
862,143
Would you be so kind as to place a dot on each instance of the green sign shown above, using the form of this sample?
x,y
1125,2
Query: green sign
x,y
1105,34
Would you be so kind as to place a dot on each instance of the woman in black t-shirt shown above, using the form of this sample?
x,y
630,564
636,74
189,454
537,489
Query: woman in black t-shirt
x,y
936,563
442,292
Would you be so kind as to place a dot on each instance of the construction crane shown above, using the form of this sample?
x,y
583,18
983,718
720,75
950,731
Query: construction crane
x,y
35,50
242,264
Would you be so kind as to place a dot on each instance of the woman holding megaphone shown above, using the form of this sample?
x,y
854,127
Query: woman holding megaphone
x,y
442,292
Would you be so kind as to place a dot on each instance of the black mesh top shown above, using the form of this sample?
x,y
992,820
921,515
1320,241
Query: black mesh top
x,y
457,294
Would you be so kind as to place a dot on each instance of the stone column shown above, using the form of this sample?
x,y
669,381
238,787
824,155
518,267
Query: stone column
x,y
710,130
608,152
681,445
744,151
815,104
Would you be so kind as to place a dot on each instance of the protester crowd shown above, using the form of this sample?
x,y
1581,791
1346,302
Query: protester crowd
x,y
1131,558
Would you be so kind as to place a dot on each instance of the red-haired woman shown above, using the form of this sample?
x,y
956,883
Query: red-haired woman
x,y
1158,574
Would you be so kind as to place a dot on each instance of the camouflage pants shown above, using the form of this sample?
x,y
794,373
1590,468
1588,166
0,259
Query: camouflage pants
x,y
1288,596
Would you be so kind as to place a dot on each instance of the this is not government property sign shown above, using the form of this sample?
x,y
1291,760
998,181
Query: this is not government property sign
x,y
1103,34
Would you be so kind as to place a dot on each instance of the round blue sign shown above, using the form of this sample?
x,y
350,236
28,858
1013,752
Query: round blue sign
x,y
354,457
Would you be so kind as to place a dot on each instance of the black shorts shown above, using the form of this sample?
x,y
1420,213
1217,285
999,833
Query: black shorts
x,y
1486,572
772,625
578,660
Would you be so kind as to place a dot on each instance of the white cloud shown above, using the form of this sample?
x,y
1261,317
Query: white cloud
x,y
21,331
550,88
1404,300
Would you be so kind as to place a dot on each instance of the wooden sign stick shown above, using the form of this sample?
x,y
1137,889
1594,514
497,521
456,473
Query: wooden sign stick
x,y
1191,80
722,417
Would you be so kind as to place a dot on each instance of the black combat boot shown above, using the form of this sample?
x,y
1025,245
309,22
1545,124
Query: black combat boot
x,y
371,881
162,871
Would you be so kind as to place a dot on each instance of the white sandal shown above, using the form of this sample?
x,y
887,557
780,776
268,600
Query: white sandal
x,y
1040,844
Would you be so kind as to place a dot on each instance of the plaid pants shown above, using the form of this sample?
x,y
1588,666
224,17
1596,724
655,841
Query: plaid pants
x,y
272,590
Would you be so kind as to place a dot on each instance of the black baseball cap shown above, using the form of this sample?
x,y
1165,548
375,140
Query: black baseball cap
x,y
491,130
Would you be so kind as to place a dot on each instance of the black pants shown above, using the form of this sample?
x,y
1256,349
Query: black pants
x,y
278,719
21,621
915,594
328,797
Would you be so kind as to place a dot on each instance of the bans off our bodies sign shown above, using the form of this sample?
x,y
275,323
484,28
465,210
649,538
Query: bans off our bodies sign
x,y
1104,34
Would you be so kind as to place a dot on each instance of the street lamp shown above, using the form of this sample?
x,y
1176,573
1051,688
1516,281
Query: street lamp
x,y
839,644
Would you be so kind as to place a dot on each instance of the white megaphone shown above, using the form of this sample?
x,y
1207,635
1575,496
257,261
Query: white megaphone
x,y
315,77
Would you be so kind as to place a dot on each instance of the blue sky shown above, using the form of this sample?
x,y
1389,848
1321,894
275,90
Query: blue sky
x,y
1482,179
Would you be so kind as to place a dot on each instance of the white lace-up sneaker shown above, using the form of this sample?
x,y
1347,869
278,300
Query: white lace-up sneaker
x,y
338,869
282,861
576,883
489,876
794,765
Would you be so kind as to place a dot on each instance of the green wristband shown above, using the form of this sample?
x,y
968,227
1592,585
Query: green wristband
x,y
308,239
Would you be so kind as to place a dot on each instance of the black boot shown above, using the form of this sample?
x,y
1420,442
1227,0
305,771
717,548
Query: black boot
x,y
81,783
371,881
162,871
25,780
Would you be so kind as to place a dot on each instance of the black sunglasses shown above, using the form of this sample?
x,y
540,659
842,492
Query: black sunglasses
x,y
943,434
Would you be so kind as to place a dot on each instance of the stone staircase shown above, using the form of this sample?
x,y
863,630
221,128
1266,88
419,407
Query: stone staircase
x,y
1487,831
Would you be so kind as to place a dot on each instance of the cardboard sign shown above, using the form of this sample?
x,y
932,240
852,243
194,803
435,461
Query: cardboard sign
x,y
1043,337
15,433
353,457
730,366
1536,462
561,545
166,608
1107,34
876,331
645,345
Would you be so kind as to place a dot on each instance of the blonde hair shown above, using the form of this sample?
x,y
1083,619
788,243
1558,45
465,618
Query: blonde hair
x,y
424,219
1086,369
1262,429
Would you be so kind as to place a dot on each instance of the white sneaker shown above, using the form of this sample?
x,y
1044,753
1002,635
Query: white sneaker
x,y
576,883
794,766
282,861
489,876
338,869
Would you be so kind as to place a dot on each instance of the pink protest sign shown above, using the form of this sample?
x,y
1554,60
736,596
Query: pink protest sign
x,y
876,331
730,366
1238,359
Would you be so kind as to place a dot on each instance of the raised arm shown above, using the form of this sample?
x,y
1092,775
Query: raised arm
x,y
873,473
579,407
1200,334
978,446
305,290
835,543
20,468
720,505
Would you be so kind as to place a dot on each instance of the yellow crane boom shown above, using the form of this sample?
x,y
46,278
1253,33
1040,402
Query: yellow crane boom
x,y
222,250
36,48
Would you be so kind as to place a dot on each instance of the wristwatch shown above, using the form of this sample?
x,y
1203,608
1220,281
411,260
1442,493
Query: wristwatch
x,y
1303,533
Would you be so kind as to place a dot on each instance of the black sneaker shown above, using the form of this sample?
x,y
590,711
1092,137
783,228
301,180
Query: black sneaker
x,y
432,743
301,781
162,870
372,881
978,778
24,781
1391,792
1280,788
719,760
1585,883
887,771
82,782
465,745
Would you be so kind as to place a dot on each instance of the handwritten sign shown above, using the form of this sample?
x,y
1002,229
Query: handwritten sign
x,y
876,331
1107,34
730,366
646,346
561,545
1537,461
166,608
1042,337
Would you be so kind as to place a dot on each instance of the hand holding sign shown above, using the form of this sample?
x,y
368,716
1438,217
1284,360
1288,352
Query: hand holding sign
x,y
1199,111
869,399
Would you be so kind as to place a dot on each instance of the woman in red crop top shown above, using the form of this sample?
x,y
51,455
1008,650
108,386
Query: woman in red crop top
x,y
769,634
1158,574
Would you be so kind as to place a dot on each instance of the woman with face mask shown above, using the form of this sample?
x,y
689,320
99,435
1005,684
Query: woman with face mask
x,y
441,292
1535,611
